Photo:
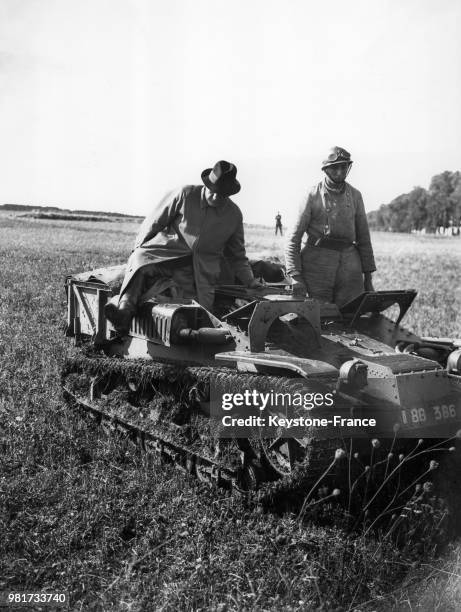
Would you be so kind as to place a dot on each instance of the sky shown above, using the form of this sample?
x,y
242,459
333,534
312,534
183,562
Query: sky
x,y
108,104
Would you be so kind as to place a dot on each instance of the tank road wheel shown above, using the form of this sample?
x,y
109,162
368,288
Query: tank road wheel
x,y
190,465
98,386
248,478
202,471
251,472
282,454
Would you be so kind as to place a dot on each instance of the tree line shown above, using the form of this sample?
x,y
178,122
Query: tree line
x,y
437,209
56,209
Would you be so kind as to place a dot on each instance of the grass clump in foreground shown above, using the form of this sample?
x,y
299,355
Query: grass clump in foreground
x,y
87,513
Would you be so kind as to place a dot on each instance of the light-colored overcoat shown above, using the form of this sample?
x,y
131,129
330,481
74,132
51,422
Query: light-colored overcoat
x,y
185,225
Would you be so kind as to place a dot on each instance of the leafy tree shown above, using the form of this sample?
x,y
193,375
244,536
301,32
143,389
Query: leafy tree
x,y
421,209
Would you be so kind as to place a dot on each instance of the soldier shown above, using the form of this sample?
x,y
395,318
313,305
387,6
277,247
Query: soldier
x,y
180,244
278,224
336,262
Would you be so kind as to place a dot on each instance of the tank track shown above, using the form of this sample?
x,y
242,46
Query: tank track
x,y
168,450
160,406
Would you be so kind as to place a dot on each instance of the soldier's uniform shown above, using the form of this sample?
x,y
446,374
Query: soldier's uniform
x,y
278,224
338,249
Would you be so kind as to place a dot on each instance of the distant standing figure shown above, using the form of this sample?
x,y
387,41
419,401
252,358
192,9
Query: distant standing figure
x,y
336,263
278,224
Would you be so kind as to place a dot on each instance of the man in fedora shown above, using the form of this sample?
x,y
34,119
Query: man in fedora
x,y
336,262
180,244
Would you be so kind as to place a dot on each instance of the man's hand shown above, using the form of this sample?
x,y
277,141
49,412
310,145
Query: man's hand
x,y
298,285
256,284
367,282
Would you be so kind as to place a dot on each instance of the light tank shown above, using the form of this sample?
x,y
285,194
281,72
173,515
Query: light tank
x,y
164,382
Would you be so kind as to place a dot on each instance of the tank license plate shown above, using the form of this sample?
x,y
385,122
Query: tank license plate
x,y
431,415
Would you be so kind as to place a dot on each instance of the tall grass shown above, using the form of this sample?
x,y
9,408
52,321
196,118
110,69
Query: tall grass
x,y
88,513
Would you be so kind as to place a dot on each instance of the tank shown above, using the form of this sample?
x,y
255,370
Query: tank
x,y
164,384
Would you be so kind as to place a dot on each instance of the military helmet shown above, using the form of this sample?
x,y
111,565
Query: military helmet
x,y
336,155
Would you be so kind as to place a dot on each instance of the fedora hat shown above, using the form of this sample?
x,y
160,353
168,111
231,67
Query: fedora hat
x,y
221,178
336,155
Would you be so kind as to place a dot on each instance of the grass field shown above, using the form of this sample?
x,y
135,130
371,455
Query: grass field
x,y
82,512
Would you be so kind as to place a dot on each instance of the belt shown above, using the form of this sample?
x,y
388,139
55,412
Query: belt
x,y
325,242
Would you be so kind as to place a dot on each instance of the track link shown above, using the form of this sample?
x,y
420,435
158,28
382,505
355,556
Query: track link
x,y
251,465
189,461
